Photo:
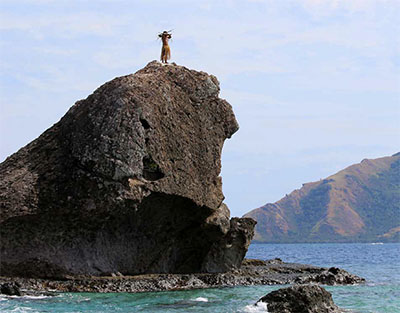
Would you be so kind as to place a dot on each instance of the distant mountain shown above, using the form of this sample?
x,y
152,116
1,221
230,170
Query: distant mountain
x,y
358,204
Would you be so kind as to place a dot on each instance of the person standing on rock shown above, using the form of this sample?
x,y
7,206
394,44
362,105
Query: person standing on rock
x,y
165,50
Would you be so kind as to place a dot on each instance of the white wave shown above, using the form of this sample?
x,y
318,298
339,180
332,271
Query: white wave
x,y
30,297
258,307
83,300
201,299
22,310
376,243
76,297
37,297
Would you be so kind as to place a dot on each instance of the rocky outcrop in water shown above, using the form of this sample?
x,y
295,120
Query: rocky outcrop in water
x,y
127,181
300,299
331,276
252,272
10,289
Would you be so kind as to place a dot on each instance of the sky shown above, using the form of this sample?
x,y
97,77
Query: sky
x,y
314,84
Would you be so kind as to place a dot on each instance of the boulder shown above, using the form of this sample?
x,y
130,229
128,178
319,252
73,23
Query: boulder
x,y
127,181
332,276
299,299
10,289
227,250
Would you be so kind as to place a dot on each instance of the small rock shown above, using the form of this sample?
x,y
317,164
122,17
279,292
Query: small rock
x,y
300,299
275,261
10,289
337,276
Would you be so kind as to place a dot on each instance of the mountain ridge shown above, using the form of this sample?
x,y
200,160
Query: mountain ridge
x,y
358,203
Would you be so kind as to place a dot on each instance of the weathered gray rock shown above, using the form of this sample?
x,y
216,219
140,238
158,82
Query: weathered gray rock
x,y
10,289
300,299
227,251
127,181
332,276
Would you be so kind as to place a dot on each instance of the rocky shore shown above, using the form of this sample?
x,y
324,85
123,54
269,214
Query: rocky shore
x,y
252,272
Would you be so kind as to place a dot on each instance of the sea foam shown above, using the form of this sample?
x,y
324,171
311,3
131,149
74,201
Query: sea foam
x,y
259,307
201,299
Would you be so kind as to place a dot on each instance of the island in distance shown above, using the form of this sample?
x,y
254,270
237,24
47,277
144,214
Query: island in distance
x,y
358,204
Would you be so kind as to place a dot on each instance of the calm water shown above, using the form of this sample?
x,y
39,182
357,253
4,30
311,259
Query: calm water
x,y
378,263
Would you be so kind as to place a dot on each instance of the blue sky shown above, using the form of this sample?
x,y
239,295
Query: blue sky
x,y
315,84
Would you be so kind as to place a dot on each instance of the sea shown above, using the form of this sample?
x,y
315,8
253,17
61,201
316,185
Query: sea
x,y
378,263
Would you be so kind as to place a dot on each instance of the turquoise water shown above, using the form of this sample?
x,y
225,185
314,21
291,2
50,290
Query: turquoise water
x,y
378,263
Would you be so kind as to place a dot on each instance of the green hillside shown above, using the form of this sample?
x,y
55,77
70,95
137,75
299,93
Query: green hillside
x,y
358,204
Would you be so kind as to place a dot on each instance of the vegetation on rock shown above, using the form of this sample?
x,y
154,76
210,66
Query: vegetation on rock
x,y
358,204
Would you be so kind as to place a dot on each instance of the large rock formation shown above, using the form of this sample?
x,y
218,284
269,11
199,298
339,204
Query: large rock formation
x,y
359,203
127,181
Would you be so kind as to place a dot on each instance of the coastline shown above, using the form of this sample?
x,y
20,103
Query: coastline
x,y
253,272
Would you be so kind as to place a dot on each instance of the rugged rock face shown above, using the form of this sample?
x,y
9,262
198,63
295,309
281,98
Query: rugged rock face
x,y
228,250
300,299
127,181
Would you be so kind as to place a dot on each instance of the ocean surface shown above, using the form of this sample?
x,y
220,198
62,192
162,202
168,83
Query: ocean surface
x,y
378,263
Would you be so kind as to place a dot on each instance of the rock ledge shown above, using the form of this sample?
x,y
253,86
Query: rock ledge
x,y
252,272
